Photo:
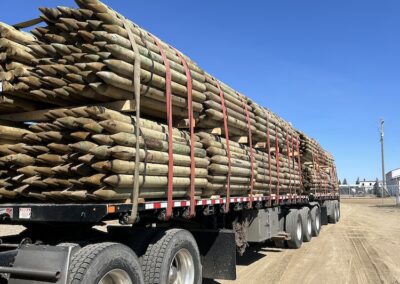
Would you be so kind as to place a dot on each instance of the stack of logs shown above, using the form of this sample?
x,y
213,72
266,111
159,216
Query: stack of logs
x,y
16,63
319,170
248,166
88,153
84,56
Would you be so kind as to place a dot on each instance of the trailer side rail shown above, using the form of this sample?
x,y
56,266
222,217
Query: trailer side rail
x,y
95,213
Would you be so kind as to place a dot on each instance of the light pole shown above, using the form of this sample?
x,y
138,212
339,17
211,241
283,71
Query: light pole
x,y
382,131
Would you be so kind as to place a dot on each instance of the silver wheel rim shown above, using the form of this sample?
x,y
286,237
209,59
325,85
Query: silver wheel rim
x,y
338,212
181,270
299,232
309,226
116,276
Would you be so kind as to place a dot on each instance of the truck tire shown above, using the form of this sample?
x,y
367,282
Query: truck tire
x,y
315,221
306,222
105,263
332,217
338,210
172,257
294,227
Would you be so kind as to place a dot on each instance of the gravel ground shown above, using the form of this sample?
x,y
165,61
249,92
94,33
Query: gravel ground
x,y
364,247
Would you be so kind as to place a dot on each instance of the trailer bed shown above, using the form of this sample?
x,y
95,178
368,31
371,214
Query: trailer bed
x,y
14,213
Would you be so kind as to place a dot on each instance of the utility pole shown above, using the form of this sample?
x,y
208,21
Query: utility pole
x,y
382,131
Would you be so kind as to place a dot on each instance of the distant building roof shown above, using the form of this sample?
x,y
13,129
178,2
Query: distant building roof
x,y
394,173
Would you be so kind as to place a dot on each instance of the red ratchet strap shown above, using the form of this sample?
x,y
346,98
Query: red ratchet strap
x,y
192,211
335,173
288,160
292,161
298,163
277,162
330,174
269,157
319,172
291,166
325,178
251,149
168,93
228,149
321,161
315,167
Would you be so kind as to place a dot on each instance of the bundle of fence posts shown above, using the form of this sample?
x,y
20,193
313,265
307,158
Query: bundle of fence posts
x,y
318,166
81,60
87,153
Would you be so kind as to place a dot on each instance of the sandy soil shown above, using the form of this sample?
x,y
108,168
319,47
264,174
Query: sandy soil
x,y
364,247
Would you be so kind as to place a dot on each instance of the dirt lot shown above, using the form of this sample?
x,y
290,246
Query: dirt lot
x,y
364,247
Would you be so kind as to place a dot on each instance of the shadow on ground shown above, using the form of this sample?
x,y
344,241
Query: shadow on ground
x,y
253,253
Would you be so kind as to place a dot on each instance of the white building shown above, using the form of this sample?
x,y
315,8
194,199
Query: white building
x,y
393,181
364,187
368,185
350,189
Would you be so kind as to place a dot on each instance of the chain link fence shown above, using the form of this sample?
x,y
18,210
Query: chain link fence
x,y
357,191
392,190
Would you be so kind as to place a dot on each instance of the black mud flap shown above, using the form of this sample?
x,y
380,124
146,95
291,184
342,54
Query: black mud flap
x,y
218,253
40,264
324,215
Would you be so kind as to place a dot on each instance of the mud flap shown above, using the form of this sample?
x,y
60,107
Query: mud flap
x,y
40,264
324,215
218,253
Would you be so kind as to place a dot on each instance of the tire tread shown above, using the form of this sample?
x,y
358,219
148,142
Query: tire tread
x,y
161,248
82,259
291,226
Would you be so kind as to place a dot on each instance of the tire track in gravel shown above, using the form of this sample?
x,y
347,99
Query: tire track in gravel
x,y
374,269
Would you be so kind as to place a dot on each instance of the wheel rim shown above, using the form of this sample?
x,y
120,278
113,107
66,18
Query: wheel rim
x,y
309,225
299,232
317,222
338,213
116,276
181,269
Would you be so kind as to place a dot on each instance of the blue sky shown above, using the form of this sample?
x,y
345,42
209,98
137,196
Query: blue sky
x,y
329,67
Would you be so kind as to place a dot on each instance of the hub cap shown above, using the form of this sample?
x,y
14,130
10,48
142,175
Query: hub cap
x,y
181,269
317,222
309,227
116,276
299,232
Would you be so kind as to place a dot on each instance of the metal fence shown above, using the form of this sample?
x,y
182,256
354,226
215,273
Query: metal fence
x,y
391,190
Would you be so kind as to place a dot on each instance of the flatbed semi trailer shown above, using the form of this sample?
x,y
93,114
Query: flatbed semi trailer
x,y
193,163
60,244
